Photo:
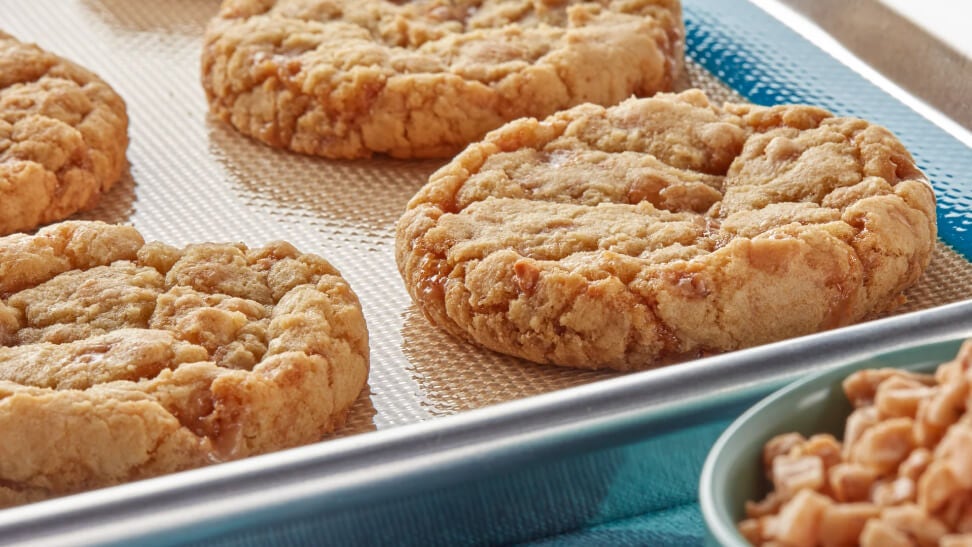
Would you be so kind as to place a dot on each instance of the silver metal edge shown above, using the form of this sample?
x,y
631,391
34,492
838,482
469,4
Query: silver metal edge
x,y
375,466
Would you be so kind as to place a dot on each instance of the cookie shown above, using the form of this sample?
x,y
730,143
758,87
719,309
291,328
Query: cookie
x,y
121,360
665,228
346,78
63,136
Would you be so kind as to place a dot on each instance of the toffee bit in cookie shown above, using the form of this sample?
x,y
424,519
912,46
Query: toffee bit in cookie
x,y
662,228
346,78
121,360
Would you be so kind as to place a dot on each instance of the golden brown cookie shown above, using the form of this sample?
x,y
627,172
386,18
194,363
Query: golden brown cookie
x,y
345,78
662,228
63,135
121,360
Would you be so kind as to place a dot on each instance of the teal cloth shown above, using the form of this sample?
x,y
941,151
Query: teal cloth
x,y
643,493
653,495
677,526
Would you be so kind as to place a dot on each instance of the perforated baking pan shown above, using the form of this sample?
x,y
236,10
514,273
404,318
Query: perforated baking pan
x,y
439,411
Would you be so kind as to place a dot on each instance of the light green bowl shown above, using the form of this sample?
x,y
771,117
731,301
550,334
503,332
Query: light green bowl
x,y
733,471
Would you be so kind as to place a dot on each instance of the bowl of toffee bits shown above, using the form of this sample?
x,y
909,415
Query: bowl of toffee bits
x,y
876,452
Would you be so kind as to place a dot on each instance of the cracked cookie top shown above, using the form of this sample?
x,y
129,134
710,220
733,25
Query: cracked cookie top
x,y
666,227
63,136
345,78
122,360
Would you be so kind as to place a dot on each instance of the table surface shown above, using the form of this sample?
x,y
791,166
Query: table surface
x,y
948,20
937,35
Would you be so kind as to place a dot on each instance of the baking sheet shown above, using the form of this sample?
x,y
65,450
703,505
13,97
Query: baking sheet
x,y
193,178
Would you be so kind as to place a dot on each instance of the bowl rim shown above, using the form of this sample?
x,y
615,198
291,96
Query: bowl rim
x,y
718,522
